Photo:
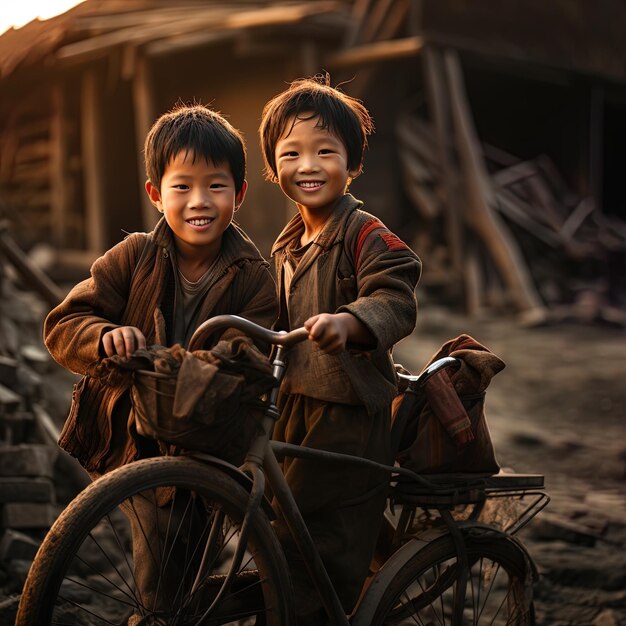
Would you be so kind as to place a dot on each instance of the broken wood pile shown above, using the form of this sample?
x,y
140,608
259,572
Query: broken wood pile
x,y
36,478
501,232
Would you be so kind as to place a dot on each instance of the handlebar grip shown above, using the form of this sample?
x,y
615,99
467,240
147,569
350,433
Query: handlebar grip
x,y
279,338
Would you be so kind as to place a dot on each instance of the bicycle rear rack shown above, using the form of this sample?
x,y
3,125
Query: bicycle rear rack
x,y
450,491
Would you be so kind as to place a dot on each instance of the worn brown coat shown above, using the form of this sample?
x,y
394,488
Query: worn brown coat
x,y
378,288
132,285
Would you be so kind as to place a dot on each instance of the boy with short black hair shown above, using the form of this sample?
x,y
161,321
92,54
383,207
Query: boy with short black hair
x,y
350,281
157,288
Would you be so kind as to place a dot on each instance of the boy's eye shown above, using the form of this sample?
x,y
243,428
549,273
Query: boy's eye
x,y
181,186
217,186
326,151
291,153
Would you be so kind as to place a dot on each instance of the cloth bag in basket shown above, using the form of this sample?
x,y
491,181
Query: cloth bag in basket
x,y
441,428
206,400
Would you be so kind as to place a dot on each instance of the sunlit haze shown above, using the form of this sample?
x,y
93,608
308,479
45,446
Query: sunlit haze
x,y
20,12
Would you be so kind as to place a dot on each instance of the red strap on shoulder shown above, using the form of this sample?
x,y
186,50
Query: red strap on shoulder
x,y
393,241
366,229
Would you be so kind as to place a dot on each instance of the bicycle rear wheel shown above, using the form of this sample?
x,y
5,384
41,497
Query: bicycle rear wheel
x,y
498,589
150,544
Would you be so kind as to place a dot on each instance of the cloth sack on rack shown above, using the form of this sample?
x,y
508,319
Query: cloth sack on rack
x,y
441,427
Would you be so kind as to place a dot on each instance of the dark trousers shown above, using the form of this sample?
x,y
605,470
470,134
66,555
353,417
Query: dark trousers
x,y
342,506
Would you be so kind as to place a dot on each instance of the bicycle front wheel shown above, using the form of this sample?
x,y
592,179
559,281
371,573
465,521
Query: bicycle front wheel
x,y
498,590
151,544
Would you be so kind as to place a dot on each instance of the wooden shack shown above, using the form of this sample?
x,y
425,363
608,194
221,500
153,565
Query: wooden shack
x,y
460,93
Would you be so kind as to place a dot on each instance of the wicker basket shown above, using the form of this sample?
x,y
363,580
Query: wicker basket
x,y
225,432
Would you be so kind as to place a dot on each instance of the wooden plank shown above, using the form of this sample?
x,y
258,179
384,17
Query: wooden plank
x,y
514,173
117,21
376,52
20,489
394,20
95,47
394,14
438,104
27,460
577,217
93,160
360,9
418,137
28,515
9,400
375,20
59,158
169,45
33,151
423,199
479,215
145,113
32,173
520,212
31,274
17,545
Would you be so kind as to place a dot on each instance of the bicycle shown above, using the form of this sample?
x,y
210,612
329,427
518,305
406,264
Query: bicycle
x,y
215,532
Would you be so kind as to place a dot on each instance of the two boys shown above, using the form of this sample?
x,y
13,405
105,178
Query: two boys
x,y
340,273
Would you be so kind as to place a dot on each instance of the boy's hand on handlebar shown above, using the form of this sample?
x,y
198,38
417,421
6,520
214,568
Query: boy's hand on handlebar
x,y
125,341
331,331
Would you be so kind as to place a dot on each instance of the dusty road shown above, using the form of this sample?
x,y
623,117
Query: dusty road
x,y
558,408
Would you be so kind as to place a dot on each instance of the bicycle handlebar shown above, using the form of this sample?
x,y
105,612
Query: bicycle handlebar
x,y
278,338
415,382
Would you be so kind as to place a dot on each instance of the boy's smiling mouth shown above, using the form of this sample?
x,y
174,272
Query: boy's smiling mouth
x,y
310,184
199,221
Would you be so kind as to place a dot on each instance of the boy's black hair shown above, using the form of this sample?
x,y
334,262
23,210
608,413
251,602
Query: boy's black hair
x,y
196,129
341,114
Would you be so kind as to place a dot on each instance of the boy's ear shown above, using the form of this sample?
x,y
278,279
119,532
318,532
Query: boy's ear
x,y
241,195
356,172
154,195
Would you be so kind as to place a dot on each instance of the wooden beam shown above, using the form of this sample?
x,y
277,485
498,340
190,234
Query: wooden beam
x,y
376,52
100,45
479,215
375,20
145,114
93,161
59,159
360,9
439,108
31,274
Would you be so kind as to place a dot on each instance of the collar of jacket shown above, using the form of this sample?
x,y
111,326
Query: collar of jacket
x,y
334,230
236,245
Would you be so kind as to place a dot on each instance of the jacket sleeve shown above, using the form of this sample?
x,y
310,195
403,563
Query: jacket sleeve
x,y
73,329
386,276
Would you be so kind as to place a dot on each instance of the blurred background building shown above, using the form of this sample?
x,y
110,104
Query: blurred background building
x,y
499,151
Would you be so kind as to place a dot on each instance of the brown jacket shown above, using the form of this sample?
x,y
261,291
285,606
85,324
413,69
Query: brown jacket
x,y
132,285
377,287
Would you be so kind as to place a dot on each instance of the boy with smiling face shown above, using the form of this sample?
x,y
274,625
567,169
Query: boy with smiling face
x,y
157,288
350,281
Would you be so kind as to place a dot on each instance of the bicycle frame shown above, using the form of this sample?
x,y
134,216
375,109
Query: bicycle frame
x,y
261,461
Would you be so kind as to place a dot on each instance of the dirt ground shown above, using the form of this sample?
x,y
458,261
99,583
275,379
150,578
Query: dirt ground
x,y
558,409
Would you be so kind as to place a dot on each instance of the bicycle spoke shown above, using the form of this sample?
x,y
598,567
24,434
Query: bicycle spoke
x,y
130,567
100,592
82,608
